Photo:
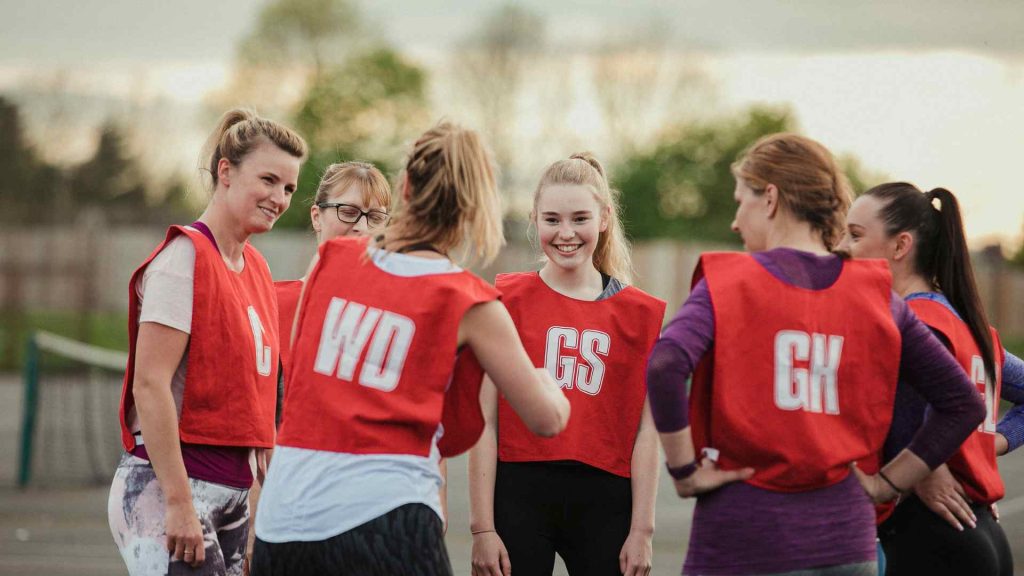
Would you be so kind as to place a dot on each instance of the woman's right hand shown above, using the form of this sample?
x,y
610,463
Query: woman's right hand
x,y
709,477
185,534
943,495
490,558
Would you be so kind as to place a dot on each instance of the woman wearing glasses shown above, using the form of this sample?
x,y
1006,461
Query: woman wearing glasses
x,y
353,199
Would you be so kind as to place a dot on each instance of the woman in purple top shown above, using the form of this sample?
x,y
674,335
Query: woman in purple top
x,y
925,246
791,200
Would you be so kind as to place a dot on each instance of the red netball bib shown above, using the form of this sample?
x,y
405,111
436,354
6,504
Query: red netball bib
x,y
597,352
231,384
799,382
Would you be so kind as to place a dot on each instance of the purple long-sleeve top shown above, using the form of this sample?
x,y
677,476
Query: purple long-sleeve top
x,y
741,528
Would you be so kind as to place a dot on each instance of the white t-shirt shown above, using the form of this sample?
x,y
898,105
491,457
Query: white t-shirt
x,y
313,495
165,297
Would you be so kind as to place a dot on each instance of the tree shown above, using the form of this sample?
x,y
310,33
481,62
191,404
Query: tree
x,y
32,191
365,109
640,82
368,105
292,45
683,188
491,65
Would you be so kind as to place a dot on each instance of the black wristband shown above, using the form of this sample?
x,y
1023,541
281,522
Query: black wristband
x,y
683,472
889,482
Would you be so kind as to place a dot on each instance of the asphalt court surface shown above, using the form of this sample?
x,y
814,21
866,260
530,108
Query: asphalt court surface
x,y
64,531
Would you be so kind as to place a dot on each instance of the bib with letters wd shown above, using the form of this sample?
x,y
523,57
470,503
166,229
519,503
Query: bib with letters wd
x,y
974,464
799,383
373,354
597,352
231,382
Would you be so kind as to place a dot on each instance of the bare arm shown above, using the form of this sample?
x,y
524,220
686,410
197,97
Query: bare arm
x,y
490,557
635,557
159,350
489,331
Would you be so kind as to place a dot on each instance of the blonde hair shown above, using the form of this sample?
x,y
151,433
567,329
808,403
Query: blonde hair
x,y
811,185
451,198
239,132
372,183
611,256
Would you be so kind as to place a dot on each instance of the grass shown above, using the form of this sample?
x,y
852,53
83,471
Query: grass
x,y
109,330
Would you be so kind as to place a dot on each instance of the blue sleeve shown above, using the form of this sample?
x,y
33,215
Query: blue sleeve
x,y
1012,424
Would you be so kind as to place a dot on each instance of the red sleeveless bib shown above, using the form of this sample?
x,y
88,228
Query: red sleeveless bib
x,y
799,382
974,464
373,355
597,351
231,383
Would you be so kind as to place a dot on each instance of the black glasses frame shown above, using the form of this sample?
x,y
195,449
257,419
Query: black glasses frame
x,y
367,213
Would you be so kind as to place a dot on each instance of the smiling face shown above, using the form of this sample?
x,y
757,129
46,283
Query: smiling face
x,y
752,217
259,188
326,222
569,223
865,234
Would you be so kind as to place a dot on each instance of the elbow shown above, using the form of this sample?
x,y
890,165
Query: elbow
x,y
977,411
554,422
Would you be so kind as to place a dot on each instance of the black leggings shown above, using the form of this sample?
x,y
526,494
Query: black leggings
x,y
577,511
408,541
918,541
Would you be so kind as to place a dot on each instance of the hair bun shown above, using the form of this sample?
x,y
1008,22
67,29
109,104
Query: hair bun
x,y
589,158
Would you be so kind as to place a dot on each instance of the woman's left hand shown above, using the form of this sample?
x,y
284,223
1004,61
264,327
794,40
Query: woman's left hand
x,y
635,557
877,489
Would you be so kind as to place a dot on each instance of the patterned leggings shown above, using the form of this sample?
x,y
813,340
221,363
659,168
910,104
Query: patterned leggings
x,y
135,511
408,541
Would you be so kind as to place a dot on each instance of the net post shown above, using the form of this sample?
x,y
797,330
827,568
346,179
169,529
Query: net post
x,y
31,404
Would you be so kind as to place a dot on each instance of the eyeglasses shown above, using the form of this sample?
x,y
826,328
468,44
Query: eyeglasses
x,y
350,214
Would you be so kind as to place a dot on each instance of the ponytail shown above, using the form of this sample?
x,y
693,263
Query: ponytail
x,y
451,197
941,253
954,274
239,131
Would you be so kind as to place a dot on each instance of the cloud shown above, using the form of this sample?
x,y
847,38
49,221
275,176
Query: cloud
x,y
68,31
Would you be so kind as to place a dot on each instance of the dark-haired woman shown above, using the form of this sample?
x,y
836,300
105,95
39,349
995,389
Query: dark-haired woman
x,y
946,527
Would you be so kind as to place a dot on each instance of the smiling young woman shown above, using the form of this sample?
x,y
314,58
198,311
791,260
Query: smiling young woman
x,y
579,319
200,386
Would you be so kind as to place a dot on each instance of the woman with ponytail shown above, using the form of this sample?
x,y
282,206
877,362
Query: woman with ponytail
x,y
200,386
587,495
947,526
795,354
354,488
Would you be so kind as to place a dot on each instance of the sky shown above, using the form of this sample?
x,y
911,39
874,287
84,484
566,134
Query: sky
x,y
926,91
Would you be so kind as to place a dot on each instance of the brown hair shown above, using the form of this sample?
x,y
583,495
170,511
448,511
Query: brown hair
x,y
940,251
451,198
811,185
339,176
239,132
611,256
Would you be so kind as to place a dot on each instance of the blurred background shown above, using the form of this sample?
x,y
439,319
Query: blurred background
x,y
104,105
